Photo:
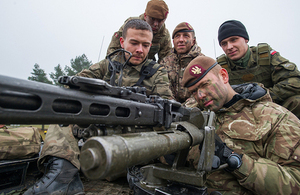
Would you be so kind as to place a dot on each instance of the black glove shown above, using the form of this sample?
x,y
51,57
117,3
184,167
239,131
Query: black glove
x,y
226,155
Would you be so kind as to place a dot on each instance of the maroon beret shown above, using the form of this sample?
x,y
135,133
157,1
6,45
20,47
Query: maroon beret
x,y
197,69
182,27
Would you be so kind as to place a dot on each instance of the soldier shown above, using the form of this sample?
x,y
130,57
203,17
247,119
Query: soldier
x,y
185,49
262,137
155,15
60,151
259,64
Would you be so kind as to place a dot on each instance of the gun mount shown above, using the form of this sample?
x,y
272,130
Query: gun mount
x,y
92,101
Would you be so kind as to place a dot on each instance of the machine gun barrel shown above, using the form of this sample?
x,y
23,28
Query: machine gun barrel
x,y
87,101
106,156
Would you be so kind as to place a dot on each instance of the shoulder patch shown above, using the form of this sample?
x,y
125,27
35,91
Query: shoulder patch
x,y
116,35
273,52
289,66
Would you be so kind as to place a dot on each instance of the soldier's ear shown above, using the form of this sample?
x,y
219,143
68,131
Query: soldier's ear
x,y
122,42
145,16
224,75
194,41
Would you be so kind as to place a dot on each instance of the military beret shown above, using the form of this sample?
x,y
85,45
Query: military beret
x,y
157,9
232,28
182,27
197,69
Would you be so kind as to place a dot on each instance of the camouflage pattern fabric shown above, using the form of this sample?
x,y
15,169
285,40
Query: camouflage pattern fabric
x,y
280,76
19,143
191,103
293,105
60,142
268,136
161,42
158,84
175,65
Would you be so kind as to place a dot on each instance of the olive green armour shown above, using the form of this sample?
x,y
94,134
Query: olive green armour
x,y
161,42
175,65
268,136
60,142
276,73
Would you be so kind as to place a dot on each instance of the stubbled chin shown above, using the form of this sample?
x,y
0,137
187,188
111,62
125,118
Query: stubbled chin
x,y
232,56
136,62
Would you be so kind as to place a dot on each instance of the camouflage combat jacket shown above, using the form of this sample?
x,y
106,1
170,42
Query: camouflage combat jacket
x,y
175,65
268,67
161,42
19,143
158,84
60,142
268,136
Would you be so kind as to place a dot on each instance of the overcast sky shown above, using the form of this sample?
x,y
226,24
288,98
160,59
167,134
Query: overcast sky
x,y
52,32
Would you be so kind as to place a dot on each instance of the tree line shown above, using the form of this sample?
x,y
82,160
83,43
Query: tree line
x,y
77,65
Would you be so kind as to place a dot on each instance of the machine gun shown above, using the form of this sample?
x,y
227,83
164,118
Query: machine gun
x,y
128,111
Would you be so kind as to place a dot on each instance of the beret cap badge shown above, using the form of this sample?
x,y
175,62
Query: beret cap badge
x,y
196,70
189,26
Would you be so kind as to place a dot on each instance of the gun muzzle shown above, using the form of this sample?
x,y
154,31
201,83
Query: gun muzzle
x,y
106,156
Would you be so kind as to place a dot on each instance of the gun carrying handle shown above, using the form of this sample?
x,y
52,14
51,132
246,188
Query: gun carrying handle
x,y
114,69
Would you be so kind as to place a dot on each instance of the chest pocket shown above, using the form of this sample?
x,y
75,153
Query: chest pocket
x,y
260,74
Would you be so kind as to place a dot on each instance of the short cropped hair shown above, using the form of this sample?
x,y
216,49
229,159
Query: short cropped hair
x,y
215,70
137,24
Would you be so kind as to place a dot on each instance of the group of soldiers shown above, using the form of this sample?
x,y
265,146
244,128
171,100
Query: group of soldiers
x,y
254,91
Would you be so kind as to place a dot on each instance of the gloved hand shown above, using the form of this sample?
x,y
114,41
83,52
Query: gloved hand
x,y
226,155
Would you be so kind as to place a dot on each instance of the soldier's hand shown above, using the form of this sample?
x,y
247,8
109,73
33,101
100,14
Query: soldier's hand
x,y
226,155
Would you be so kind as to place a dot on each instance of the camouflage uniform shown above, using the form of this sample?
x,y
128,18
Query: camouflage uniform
x,y
158,84
161,42
268,136
60,141
266,66
175,65
19,143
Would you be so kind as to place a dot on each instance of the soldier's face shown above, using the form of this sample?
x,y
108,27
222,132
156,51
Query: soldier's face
x,y
211,92
155,23
235,47
138,42
183,42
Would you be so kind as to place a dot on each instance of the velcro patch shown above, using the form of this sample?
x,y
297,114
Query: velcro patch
x,y
248,77
289,66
